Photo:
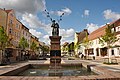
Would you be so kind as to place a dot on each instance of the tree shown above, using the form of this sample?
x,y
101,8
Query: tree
x,y
76,48
86,43
3,38
109,39
23,43
3,42
33,46
44,49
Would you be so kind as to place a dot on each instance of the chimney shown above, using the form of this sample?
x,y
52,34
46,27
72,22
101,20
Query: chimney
x,y
4,9
85,30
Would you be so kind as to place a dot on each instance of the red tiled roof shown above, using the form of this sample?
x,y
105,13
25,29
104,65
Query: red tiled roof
x,y
101,31
97,33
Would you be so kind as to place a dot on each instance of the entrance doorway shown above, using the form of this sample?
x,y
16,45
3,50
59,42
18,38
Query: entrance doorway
x,y
103,51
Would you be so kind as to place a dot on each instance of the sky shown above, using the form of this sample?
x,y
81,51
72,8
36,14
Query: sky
x,y
78,15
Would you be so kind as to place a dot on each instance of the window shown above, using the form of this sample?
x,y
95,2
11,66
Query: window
x,y
23,32
11,21
97,51
10,31
112,52
17,25
12,14
15,33
117,28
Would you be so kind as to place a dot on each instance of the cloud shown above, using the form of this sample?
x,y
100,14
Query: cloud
x,y
66,11
86,12
32,21
67,33
22,6
91,27
26,11
46,39
35,33
108,14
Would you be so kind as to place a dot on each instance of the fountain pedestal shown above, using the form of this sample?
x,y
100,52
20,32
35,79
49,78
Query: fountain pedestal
x,y
55,56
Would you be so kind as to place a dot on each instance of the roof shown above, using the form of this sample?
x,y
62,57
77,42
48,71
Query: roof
x,y
65,44
8,10
24,27
97,33
101,31
81,35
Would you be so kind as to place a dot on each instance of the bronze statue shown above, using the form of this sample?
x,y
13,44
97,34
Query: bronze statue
x,y
55,25
55,30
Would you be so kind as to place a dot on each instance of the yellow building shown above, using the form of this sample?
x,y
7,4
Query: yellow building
x,y
79,36
3,18
13,28
26,34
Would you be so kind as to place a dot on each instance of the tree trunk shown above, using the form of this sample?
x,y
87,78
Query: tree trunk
x,y
109,55
1,57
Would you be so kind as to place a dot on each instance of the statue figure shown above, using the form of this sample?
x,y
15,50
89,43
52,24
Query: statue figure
x,y
55,30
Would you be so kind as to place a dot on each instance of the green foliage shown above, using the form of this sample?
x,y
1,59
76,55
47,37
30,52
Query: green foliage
x,y
109,37
3,38
86,42
23,43
77,46
44,48
33,46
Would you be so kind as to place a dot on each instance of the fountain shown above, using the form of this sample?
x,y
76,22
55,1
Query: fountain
x,y
55,49
55,52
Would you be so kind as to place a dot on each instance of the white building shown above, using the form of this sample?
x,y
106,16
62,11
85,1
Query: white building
x,y
97,49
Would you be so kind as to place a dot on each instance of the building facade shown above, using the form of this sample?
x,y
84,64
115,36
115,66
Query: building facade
x,y
96,49
3,18
15,30
26,34
79,36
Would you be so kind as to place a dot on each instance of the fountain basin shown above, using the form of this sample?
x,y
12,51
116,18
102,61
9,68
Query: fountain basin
x,y
43,70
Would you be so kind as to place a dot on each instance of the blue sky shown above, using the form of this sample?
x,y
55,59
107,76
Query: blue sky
x,y
75,19
79,15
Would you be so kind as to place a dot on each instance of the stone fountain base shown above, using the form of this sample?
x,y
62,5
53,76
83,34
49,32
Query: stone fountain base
x,y
55,57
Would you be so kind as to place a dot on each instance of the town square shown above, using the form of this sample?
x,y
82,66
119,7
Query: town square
x,y
59,40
